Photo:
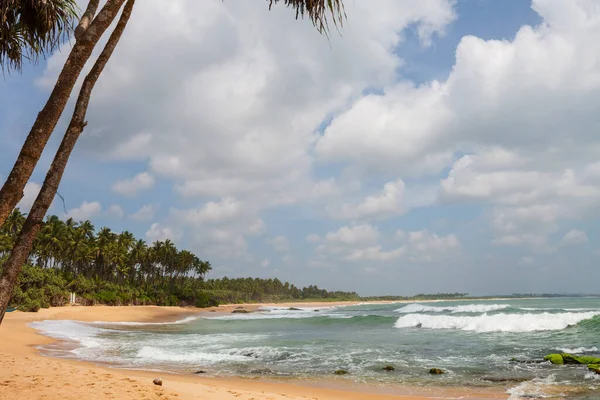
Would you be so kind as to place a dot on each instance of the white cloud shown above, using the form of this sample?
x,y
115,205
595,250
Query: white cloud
x,y
29,194
145,213
313,238
161,233
85,211
526,261
116,211
387,204
279,243
361,243
574,237
265,263
131,187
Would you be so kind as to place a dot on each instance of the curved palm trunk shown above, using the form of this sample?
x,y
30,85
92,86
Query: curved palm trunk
x,y
88,35
20,251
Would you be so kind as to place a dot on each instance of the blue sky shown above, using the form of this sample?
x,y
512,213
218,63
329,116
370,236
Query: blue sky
x,y
434,146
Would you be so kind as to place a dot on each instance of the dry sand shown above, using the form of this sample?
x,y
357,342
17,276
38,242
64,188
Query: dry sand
x,y
26,375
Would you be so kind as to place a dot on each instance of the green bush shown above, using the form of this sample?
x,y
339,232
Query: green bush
x,y
107,297
204,300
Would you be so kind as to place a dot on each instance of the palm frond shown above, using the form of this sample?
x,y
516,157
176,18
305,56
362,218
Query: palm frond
x,y
32,28
318,11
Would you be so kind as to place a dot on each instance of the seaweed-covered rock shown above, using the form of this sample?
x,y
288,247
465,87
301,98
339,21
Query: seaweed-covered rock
x,y
594,368
341,372
388,368
236,311
565,358
436,371
555,359
587,360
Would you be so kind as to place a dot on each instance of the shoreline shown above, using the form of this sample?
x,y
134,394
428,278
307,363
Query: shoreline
x,y
27,374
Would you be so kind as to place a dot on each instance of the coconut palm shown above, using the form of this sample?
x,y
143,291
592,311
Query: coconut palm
x,y
32,28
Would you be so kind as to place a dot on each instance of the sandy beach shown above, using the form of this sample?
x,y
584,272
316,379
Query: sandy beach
x,y
27,375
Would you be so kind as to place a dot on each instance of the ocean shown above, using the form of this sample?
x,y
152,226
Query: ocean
x,y
476,343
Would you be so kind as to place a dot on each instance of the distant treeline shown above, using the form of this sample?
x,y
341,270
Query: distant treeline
x,y
420,296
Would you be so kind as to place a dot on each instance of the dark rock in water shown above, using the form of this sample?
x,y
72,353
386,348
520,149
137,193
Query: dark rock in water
x,y
200,372
249,353
239,308
594,368
236,311
157,381
436,371
262,371
316,310
526,361
504,379
341,372
419,325
294,309
388,368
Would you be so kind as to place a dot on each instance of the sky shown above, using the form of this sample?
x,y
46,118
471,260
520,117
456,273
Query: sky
x,y
429,146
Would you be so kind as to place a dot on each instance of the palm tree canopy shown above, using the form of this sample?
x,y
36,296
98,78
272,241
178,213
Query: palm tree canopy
x,y
33,28
317,11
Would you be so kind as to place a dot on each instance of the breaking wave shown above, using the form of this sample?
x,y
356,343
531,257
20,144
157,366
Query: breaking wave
x,y
467,308
496,323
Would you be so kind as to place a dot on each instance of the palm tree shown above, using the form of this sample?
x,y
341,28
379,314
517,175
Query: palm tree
x,y
14,223
33,28
87,34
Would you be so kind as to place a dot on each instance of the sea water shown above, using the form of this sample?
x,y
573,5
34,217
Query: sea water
x,y
474,342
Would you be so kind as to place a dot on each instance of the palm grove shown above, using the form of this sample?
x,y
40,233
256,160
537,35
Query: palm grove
x,y
30,28
117,269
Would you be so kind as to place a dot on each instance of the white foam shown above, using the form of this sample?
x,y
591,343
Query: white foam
x,y
181,321
495,323
281,313
81,333
149,353
533,389
577,350
467,308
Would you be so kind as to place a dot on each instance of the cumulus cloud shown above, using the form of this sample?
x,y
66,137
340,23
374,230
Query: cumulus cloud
x,y
161,233
280,244
387,204
362,243
145,213
115,210
29,194
130,187
85,211
574,237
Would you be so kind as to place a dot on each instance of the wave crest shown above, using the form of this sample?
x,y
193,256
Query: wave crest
x,y
495,323
467,308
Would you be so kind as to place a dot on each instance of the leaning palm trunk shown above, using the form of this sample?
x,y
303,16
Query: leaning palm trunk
x,y
24,242
87,35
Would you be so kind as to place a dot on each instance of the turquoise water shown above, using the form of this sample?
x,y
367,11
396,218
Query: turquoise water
x,y
473,341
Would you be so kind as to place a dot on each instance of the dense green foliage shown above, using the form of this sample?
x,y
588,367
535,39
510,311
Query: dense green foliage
x,y
116,269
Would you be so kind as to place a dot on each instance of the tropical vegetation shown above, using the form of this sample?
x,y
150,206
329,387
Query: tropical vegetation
x,y
104,267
